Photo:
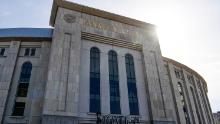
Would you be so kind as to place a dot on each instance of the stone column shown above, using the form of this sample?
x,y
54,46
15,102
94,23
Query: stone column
x,y
179,108
199,93
125,110
141,88
84,90
159,92
62,90
104,83
188,97
198,102
39,84
207,105
7,75
191,100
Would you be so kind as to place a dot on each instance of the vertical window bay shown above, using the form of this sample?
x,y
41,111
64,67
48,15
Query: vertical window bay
x,y
182,98
94,80
22,89
114,83
131,83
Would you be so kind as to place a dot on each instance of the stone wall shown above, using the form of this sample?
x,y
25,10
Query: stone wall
x,y
11,70
197,104
63,85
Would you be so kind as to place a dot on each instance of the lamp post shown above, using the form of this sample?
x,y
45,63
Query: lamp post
x,y
98,116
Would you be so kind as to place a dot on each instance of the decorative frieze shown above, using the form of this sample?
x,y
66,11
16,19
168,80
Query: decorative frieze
x,y
111,41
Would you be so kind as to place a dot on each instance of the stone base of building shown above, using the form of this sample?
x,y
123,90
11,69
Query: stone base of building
x,y
164,122
53,119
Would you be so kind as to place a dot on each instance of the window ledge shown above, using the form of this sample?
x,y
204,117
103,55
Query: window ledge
x,y
30,56
135,115
91,113
17,117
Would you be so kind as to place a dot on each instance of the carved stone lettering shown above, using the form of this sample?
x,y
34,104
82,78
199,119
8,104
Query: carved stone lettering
x,y
117,119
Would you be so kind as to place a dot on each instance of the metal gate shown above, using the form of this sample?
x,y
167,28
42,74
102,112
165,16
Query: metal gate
x,y
117,119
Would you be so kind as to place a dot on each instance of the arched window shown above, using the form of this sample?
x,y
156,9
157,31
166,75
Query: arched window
x,y
25,72
114,83
131,82
22,90
95,80
182,97
24,79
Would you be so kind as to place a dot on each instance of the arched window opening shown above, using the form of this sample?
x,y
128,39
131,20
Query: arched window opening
x,y
114,83
182,98
22,89
25,72
131,83
95,80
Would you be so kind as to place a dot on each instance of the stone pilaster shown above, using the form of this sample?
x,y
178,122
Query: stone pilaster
x,y
159,92
188,98
62,90
7,75
198,102
39,84
123,86
105,103
210,109
207,105
200,97
179,108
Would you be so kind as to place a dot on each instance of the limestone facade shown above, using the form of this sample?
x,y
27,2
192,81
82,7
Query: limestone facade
x,y
217,117
59,86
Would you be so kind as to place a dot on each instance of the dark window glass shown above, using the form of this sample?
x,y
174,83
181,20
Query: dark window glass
x,y
27,52
22,89
33,51
25,72
2,52
95,80
131,82
180,88
114,83
18,109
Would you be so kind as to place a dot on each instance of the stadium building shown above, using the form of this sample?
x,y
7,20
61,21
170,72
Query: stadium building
x,y
91,67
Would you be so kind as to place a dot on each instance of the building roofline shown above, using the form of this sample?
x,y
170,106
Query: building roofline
x,y
26,34
95,12
188,69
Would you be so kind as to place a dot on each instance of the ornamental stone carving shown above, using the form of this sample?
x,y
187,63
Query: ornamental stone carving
x,y
69,18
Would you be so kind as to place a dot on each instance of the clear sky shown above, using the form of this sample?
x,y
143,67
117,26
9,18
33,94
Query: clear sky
x,y
189,30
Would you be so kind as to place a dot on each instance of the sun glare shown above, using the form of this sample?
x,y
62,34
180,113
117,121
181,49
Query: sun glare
x,y
171,29
169,26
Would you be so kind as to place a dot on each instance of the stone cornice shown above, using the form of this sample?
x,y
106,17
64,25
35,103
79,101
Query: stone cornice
x,y
94,12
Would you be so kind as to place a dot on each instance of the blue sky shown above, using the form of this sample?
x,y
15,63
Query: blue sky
x,y
189,30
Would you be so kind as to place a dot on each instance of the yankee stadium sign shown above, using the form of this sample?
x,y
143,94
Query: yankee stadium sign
x,y
117,119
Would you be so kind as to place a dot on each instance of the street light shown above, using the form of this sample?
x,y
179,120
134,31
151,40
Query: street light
x,y
98,115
